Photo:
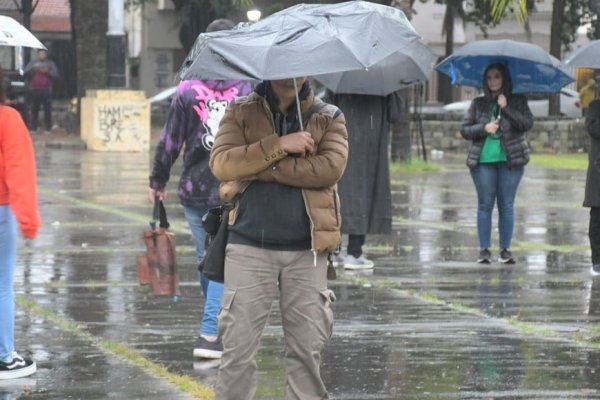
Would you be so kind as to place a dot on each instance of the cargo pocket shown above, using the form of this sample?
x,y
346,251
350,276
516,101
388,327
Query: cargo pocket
x,y
224,316
327,297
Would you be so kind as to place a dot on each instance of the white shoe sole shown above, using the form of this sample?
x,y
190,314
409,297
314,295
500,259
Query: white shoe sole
x,y
594,273
507,261
19,372
358,266
206,364
211,354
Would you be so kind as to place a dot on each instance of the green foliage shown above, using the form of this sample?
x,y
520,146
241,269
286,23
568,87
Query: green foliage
x,y
577,161
519,7
577,13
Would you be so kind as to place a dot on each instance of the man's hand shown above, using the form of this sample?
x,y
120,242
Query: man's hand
x,y
162,194
502,102
297,143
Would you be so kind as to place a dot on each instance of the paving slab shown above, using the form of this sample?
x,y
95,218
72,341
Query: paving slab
x,y
427,323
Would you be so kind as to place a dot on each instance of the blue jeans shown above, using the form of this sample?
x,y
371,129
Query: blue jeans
x,y
211,290
496,182
8,258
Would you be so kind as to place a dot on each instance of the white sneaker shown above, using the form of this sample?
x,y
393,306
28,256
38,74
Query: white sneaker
x,y
351,262
337,261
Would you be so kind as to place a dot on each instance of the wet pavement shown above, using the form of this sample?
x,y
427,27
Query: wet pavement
x,y
427,323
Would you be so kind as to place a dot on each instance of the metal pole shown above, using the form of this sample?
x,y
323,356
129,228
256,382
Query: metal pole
x,y
115,45
298,105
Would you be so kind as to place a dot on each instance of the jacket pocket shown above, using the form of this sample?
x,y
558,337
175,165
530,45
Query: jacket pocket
x,y
227,299
224,317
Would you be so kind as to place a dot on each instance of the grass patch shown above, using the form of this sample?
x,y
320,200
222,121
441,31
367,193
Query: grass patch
x,y
414,165
578,161
547,247
184,383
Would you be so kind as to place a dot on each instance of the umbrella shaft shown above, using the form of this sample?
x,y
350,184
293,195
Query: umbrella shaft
x,y
298,105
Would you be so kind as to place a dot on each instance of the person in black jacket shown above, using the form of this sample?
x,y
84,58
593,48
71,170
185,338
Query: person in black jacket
x,y
496,124
592,187
365,191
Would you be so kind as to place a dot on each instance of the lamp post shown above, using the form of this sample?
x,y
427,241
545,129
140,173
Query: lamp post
x,y
253,15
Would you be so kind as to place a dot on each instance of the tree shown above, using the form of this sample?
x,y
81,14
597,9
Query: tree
x,y
500,7
194,16
401,144
89,37
477,12
26,8
567,17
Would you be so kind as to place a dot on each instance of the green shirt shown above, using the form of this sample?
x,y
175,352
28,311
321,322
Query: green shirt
x,y
492,150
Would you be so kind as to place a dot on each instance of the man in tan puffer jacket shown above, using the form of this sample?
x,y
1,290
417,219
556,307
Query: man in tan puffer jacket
x,y
286,219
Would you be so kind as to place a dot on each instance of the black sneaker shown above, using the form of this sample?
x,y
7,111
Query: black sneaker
x,y
18,367
506,257
484,256
206,349
596,269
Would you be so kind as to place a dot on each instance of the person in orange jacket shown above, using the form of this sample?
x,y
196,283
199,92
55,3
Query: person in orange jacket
x,y
18,209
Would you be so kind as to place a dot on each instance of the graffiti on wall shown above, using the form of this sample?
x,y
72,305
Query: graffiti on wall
x,y
118,123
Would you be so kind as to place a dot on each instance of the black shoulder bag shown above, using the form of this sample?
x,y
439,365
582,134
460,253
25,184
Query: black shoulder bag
x,y
215,223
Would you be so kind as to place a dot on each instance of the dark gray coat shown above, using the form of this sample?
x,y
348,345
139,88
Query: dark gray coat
x,y
592,183
364,190
516,119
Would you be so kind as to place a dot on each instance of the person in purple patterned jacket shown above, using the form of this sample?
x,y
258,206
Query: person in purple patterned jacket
x,y
193,122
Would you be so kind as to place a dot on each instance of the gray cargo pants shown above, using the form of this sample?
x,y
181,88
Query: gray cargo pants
x,y
252,278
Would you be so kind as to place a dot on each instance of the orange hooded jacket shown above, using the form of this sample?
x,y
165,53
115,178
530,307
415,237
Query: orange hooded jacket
x,y
18,186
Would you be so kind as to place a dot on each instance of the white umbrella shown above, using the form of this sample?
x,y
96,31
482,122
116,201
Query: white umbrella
x,y
585,57
13,33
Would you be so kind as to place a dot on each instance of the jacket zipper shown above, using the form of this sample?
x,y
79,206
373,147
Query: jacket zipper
x,y
312,229
335,208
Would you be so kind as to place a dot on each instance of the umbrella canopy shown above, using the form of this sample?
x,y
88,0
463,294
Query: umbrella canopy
x,y
303,40
587,56
13,33
531,68
403,68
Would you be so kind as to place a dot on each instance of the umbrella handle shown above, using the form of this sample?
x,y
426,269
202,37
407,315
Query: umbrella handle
x,y
298,105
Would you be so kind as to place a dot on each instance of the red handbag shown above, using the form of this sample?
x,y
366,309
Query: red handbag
x,y
158,267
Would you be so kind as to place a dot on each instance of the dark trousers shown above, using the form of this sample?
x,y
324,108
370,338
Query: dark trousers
x,y
594,234
41,97
355,244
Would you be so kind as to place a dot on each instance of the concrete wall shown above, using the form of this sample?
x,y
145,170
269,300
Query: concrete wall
x,y
558,136
115,120
160,55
